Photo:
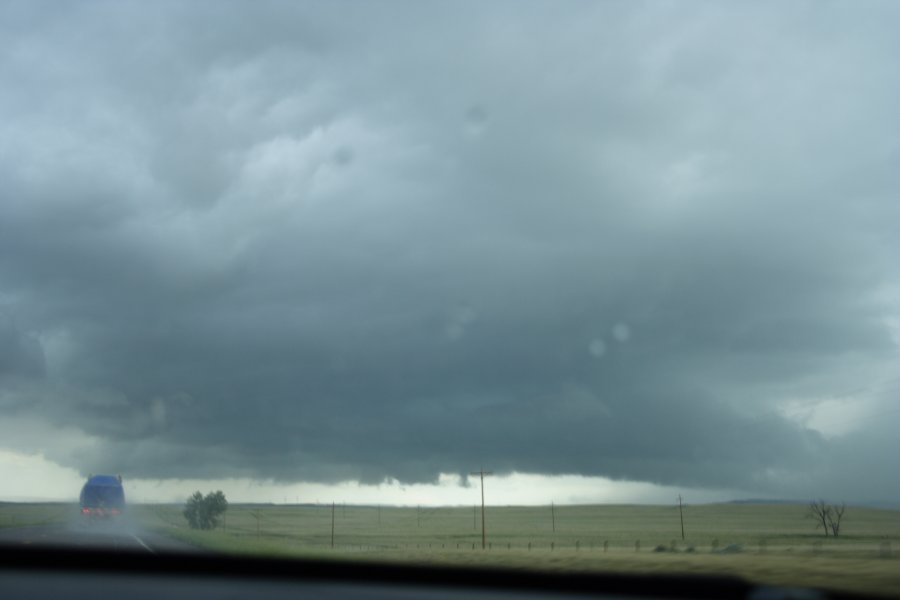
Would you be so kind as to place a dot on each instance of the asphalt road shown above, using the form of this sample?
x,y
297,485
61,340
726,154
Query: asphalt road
x,y
110,536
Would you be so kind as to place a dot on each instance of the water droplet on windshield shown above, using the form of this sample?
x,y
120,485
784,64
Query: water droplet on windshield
x,y
597,348
476,120
459,321
621,332
343,156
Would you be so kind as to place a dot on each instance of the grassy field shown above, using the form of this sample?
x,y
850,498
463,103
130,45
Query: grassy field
x,y
771,543
23,514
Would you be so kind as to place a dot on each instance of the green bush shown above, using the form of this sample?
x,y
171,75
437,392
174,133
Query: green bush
x,y
203,512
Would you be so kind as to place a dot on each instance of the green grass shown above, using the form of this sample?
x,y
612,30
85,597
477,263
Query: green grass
x,y
15,514
778,544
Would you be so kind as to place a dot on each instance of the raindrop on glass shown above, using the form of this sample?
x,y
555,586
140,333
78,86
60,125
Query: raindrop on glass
x,y
597,348
621,332
476,120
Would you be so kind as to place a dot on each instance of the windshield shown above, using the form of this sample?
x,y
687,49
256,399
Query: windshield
x,y
600,285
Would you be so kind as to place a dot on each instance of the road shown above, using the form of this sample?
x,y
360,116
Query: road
x,y
116,536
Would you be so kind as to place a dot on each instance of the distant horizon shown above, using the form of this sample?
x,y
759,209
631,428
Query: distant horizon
x,y
39,480
874,504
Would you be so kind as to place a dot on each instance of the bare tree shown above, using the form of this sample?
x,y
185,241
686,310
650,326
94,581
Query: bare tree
x,y
834,518
821,512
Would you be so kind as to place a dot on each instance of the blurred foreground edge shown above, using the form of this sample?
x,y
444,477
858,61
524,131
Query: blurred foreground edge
x,y
37,560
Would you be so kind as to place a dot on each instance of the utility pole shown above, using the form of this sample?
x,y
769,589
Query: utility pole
x,y
681,513
553,516
481,474
332,524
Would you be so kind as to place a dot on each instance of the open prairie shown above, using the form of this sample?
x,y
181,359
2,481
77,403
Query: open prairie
x,y
771,543
21,514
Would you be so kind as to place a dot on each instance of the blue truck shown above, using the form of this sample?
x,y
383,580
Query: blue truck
x,y
102,497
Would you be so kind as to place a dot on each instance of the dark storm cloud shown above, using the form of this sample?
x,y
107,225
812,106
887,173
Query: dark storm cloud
x,y
321,242
20,354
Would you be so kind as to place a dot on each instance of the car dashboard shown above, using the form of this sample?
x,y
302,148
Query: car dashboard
x,y
64,573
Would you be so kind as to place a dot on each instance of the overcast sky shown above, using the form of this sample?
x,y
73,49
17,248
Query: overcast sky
x,y
377,242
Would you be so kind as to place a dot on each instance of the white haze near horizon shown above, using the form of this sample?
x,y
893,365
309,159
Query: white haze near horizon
x,y
39,480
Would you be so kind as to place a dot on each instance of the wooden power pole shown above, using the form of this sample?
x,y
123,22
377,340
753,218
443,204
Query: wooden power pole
x,y
481,474
681,514
553,516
